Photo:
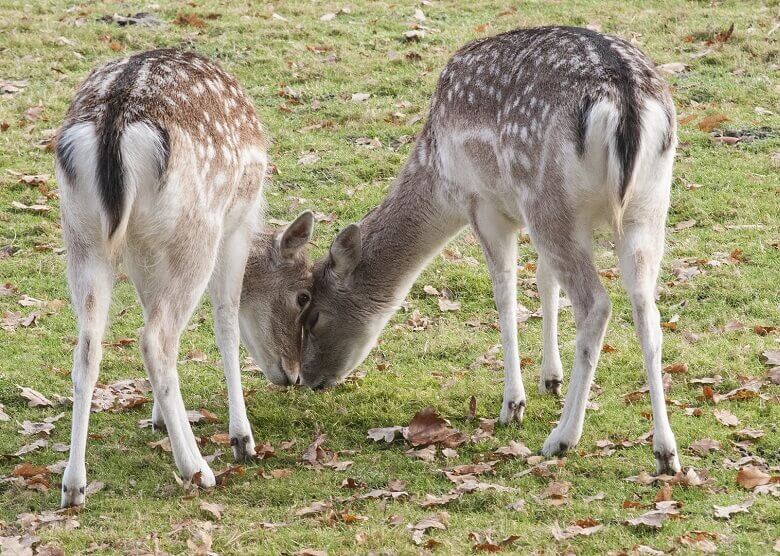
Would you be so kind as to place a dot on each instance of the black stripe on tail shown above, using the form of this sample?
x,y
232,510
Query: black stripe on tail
x,y
619,75
110,166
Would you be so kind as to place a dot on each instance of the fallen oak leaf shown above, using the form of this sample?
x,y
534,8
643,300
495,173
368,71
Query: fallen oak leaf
x,y
664,494
212,508
426,454
431,500
748,434
725,512
676,368
314,452
196,416
277,474
29,448
34,398
750,477
704,446
313,509
725,417
436,521
387,434
653,519
427,428
27,470
221,477
489,545
581,527
514,449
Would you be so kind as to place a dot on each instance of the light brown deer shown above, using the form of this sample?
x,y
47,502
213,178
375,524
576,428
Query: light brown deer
x,y
559,129
161,161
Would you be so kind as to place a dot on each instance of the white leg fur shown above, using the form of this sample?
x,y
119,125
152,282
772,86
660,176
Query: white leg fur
x,y
91,279
165,319
640,252
591,311
225,292
498,238
551,372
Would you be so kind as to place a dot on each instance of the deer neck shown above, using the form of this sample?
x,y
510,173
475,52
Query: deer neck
x,y
400,236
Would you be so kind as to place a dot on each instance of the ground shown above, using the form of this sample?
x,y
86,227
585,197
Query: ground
x,y
719,282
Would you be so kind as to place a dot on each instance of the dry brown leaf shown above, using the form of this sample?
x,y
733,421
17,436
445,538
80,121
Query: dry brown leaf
x,y
435,521
277,474
581,527
653,519
215,510
556,493
514,449
704,446
748,434
264,450
750,477
428,428
314,453
221,438
196,416
387,434
676,368
34,398
380,493
426,454
771,356
487,544
29,448
189,19
664,494
431,500
446,304
725,417
28,470
726,512
711,122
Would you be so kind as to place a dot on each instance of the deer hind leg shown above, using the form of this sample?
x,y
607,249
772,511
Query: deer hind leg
x,y
551,373
170,281
574,268
90,275
225,292
640,250
498,237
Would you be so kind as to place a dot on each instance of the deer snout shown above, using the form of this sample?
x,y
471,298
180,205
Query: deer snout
x,y
290,369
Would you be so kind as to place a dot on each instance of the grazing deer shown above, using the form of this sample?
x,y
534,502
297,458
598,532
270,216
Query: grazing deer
x,y
161,161
559,129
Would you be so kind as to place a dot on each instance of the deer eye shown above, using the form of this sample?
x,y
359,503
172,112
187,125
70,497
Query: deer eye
x,y
303,299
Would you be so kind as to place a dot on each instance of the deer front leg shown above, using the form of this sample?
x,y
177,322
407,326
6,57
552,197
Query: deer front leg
x,y
498,238
551,373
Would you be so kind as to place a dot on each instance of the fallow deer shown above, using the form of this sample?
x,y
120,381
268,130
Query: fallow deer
x,y
160,162
559,129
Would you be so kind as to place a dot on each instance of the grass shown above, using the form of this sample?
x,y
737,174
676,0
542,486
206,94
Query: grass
x,y
53,45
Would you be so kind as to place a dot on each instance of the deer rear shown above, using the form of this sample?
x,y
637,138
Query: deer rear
x,y
161,161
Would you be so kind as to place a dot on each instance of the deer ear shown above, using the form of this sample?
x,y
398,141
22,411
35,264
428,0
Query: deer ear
x,y
346,250
296,235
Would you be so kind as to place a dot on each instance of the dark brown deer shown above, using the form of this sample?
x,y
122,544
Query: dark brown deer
x,y
559,129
